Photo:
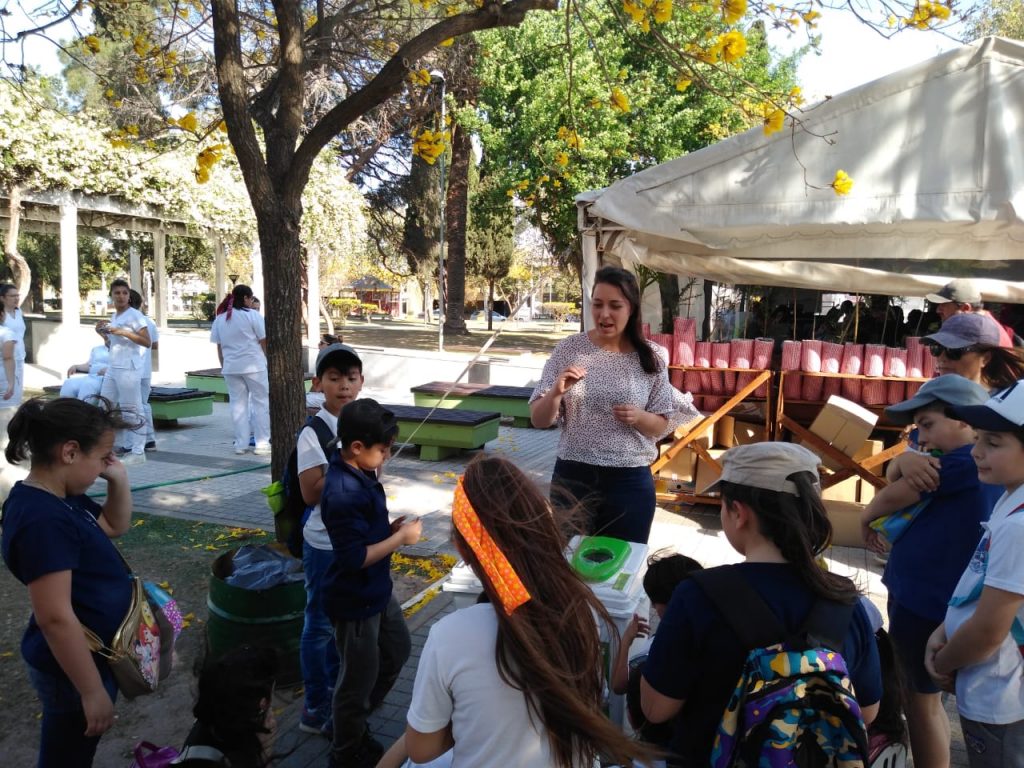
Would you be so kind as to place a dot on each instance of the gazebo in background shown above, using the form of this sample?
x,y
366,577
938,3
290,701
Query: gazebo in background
x,y
372,290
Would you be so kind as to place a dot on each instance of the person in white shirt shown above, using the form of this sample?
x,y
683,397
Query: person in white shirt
x,y
976,652
15,321
85,380
241,339
515,682
135,299
122,384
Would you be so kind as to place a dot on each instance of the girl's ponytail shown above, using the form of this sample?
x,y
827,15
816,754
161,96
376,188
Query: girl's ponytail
x,y
20,428
40,425
226,306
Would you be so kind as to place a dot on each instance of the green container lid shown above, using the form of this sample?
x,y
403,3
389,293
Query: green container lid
x,y
599,558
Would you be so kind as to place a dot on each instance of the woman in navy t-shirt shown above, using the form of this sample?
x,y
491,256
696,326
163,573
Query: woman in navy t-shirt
x,y
773,515
58,542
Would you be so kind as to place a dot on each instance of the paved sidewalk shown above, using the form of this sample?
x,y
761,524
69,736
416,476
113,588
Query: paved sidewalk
x,y
195,475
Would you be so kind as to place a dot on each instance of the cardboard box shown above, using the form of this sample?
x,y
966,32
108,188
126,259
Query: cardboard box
x,y
848,490
724,432
745,433
681,467
845,517
844,425
707,473
854,489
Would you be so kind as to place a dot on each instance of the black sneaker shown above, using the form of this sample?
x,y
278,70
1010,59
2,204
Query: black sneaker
x,y
122,451
151,446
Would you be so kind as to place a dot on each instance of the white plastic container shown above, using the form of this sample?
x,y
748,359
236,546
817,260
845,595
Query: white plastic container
x,y
622,595
463,585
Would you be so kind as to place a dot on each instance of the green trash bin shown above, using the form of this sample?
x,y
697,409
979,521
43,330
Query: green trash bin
x,y
267,618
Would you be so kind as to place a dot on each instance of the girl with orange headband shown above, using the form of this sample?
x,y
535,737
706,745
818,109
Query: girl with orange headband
x,y
516,681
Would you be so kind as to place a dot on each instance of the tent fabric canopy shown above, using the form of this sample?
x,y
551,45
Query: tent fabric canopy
x,y
937,160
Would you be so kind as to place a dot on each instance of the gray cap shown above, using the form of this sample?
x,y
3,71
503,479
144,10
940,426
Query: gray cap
x,y
766,465
949,389
965,329
340,356
962,291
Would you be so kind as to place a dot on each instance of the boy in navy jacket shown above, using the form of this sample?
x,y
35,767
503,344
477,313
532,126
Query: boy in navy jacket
x,y
370,632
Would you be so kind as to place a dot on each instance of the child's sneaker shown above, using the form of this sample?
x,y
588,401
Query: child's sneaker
x,y
368,753
317,722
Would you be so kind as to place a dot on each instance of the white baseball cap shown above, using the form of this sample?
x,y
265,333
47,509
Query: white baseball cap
x,y
1003,412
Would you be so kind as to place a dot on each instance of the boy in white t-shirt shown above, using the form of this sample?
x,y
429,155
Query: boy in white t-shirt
x,y
136,301
977,649
339,376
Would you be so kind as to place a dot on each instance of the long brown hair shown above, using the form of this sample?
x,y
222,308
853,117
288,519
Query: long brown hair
x,y
1004,368
549,647
799,527
626,282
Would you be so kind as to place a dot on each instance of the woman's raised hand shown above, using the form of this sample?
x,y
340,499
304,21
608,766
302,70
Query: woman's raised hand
x,y
567,378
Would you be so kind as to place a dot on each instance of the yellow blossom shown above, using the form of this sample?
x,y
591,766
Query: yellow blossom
x,y
109,93
188,123
683,83
842,183
662,11
556,184
419,77
810,17
774,118
595,103
448,43
733,10
925,12
734,46
92,43
570,137
141,46
619,100
429,145
796,95
562,159
637,13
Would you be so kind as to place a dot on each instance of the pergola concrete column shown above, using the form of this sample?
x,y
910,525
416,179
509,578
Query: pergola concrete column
x,y
70,311
135,269
220,279
159,308
313,297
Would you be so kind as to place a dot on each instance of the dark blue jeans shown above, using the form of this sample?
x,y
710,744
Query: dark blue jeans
x,y
619,501
317,652
63,743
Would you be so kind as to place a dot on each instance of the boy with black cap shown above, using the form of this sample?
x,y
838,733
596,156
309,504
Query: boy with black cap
x,y
977,648
339,377
932,535
370,632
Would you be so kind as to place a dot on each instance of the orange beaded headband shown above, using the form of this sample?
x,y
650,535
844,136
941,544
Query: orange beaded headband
x,y
507,584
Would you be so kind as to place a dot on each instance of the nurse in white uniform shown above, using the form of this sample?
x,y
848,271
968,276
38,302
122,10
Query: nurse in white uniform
x,y
15,321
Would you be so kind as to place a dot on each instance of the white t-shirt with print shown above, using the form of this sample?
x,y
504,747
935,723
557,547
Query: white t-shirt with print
x,y
992,691
457,681
309,454
239,340
147,361
125,353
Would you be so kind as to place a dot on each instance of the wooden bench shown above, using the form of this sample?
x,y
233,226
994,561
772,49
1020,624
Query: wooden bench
x,y
446,432
168,403
511,402
211,380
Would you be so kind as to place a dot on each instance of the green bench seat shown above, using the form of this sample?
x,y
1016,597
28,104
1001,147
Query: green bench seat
x,y
446,432
168,403
211,380
512,402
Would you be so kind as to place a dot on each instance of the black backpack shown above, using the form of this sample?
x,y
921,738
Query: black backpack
x,y
292,517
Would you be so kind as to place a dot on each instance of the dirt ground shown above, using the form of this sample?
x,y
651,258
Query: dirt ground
x,y
160,550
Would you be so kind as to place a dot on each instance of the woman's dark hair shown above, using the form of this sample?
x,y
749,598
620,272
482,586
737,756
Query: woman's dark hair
x,y
6,288
799,527
234,692
549,648
626,283
1005,367
119,283
235,299
664,574
329,338
134,299
40,426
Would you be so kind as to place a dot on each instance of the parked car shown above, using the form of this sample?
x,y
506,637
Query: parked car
x,y
497,317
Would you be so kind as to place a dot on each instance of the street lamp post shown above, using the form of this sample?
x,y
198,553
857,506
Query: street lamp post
x,y
438,76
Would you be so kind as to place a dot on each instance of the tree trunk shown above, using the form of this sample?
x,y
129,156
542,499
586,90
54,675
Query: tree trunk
x,y
327,316
279,244
709,287
668,286
21,273
490,303
458,208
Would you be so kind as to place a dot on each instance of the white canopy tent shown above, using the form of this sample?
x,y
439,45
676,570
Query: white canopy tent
x,y
936,153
